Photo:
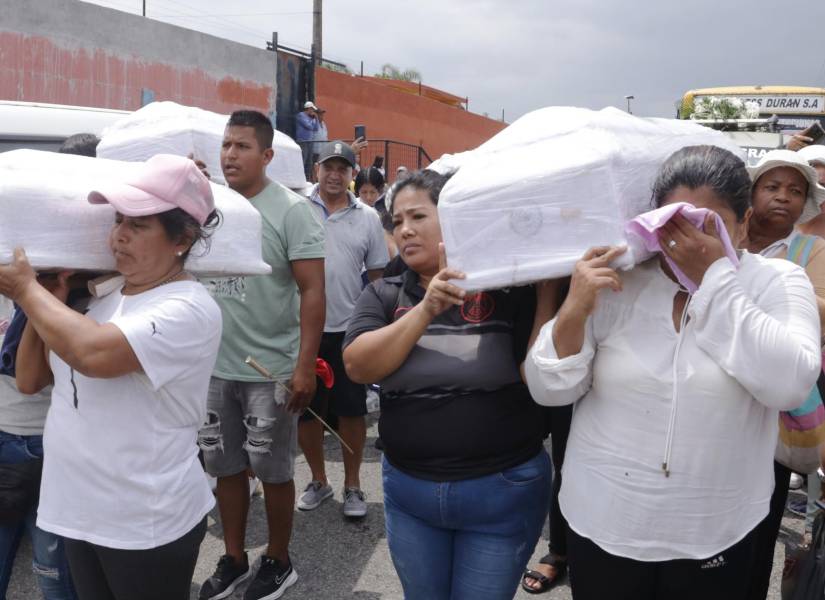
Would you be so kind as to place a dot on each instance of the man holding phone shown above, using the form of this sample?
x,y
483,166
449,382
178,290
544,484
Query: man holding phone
x,y
360,132
306,128
321,136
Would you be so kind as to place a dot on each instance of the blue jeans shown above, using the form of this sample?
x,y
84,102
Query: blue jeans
x,y
49,560
465,539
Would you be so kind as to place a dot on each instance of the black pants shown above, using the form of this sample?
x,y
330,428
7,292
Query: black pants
x,y
558,418
597,575
766,533
162,573
346,398
306,154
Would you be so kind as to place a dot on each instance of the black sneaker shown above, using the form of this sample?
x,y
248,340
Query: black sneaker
x,y
228,575
271,581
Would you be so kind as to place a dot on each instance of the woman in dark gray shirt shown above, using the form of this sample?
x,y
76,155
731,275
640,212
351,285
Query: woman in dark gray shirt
x,y
466,479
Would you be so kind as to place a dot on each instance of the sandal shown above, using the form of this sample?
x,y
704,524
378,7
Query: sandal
x,y
545,583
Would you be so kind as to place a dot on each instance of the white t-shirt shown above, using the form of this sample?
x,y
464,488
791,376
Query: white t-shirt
x,y
704,401
121,467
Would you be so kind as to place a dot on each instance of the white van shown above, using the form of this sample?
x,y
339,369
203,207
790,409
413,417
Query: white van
x,y
45,126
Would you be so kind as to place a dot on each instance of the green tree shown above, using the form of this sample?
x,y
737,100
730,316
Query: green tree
x,y
389,71
684,108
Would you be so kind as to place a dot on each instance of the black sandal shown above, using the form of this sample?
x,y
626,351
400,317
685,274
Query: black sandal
x,y
545,582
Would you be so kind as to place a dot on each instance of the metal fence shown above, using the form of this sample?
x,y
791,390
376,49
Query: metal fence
x,y
394,154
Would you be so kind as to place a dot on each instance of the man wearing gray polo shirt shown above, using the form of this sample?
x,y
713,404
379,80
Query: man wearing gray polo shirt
x,y
354,243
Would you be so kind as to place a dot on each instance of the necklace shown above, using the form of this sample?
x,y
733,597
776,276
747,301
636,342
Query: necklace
x,y
169,280
157,285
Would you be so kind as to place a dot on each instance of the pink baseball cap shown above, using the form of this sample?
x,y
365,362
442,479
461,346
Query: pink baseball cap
x,y
163,183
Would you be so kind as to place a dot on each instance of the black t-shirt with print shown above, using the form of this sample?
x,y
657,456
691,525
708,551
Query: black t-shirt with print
x,y
457,408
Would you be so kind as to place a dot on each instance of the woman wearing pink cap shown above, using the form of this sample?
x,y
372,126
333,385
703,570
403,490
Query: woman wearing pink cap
x,y
121,481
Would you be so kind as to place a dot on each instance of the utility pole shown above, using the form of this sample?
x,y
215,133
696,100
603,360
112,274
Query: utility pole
x,y
317,31
144,8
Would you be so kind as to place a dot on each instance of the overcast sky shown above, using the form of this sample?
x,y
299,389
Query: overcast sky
x,y
519,55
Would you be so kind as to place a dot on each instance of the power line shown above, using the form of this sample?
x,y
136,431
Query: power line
x,y
271,14
116,5
223,23
216,21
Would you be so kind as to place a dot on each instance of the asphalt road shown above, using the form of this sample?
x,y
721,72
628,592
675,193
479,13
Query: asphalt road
x,y
338,559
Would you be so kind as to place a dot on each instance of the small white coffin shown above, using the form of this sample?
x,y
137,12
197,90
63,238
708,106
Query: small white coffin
x,y
171,128
528,203
43,209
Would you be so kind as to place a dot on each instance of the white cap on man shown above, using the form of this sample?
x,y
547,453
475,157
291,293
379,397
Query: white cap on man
x,y
310,104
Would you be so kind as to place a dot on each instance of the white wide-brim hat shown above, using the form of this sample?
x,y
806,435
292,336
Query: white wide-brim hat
x,y
813,154
788,158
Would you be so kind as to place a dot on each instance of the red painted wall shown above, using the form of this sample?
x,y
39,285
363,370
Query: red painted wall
x,y
36,68
390,114
39,69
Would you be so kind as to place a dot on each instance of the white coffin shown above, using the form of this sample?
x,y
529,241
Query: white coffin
x,y
528,203
170,128
43,209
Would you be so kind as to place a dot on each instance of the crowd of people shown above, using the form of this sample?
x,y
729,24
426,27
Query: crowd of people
x,y
660,387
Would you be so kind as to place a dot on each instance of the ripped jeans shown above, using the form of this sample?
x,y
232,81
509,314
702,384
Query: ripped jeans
x,y
248,426
49,558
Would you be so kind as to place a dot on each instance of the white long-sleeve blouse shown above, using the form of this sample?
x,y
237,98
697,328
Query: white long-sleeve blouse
x,y
671,445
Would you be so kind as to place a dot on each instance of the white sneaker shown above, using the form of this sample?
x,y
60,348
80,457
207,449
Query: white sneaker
x,y
355,504
796,481
313,495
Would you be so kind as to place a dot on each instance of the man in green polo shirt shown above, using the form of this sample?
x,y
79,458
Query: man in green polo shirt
x,y
278,319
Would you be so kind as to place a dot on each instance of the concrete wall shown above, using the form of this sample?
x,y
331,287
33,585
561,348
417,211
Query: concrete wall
x,y
391,114
71,52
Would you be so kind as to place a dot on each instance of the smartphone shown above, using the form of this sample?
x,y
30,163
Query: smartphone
x,y
816,132
361,131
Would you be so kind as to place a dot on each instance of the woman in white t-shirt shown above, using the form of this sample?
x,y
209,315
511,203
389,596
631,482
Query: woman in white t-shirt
x,y
668,468
121,480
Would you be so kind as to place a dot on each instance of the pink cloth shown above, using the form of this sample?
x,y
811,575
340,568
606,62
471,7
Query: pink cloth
x,y
645,227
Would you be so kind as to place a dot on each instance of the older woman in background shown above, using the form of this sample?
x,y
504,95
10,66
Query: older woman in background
x,y
785,194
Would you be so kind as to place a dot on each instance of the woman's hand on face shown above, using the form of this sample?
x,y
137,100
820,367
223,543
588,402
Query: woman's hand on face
x,y
441,294
591,275
694,251
16,276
